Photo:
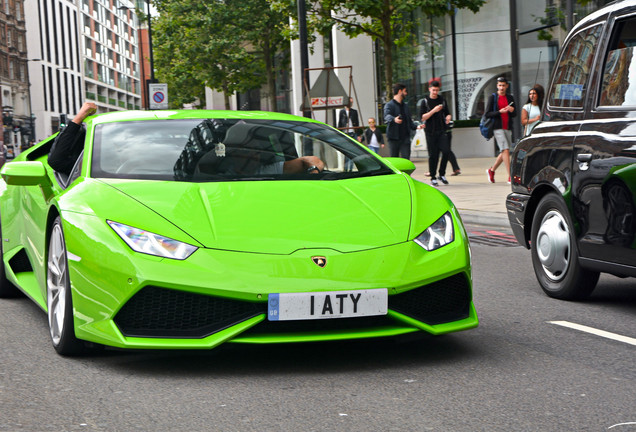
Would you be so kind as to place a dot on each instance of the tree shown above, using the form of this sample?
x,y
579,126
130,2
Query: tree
x,y
227,45
555,15
265,29
380,19
173,62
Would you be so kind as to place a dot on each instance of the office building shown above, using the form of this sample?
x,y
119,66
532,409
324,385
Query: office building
x,y
84,51
14,88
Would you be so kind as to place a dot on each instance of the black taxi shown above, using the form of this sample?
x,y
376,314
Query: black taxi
x,y
574,178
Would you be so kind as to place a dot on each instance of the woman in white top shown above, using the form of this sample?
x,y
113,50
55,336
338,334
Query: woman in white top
x,y
531,112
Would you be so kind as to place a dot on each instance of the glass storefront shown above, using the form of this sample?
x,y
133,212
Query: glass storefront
x,y
483,52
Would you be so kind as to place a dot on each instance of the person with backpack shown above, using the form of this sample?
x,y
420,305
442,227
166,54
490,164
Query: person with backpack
x,y
501,108
435,114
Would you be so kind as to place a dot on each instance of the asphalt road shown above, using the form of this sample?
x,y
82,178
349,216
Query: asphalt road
x,y
517,371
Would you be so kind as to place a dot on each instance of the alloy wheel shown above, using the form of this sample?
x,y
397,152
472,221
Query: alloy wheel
x,y
57,285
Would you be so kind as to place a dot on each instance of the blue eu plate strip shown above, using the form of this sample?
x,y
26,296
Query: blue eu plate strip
x,y
273,304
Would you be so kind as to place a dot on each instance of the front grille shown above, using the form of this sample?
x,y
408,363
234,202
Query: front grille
x,y
443,301
320,325
160,312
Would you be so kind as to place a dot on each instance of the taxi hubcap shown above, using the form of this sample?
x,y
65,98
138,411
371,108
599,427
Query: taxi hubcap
x,y
553,245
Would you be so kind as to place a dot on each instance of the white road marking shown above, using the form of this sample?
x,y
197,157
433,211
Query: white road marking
x,y
597,332
622,424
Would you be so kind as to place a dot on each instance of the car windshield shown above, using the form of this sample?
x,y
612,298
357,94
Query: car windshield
x,y
197,150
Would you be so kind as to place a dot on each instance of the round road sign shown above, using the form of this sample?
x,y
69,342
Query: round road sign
x,y
158,97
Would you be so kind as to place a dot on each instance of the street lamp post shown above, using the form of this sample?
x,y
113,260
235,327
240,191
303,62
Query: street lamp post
x,y
304,55
152,79
152,59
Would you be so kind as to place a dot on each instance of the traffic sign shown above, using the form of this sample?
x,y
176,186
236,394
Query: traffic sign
x,y
158,96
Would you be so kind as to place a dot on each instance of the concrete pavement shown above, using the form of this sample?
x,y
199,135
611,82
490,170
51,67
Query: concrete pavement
x,y
478,201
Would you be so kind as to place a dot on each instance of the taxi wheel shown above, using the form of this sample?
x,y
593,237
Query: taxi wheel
x,y
555,255
58,297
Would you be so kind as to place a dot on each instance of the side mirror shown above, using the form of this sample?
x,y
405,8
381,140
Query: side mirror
x,y
404,165
30,173
24,173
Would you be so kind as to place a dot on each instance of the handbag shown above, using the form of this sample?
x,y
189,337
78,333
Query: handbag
x,y
487,124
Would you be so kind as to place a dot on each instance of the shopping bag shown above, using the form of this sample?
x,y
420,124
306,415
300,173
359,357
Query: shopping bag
x,y
419,140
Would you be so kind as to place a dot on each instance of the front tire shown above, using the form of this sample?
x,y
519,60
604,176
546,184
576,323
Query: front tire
x,y
555,256
58,298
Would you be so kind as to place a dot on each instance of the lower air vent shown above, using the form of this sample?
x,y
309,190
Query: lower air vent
x,y
160,312
20,263
443,301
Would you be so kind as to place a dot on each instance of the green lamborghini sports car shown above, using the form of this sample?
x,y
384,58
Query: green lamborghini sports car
x,y
188,229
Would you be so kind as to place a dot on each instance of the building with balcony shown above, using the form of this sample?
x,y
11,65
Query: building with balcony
x,y
14,88
111,54
77,52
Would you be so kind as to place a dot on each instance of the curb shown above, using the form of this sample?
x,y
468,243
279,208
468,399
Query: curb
x,y
477,217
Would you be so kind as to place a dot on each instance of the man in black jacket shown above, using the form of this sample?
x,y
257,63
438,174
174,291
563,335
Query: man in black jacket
x,y
348,121
69,143
399,123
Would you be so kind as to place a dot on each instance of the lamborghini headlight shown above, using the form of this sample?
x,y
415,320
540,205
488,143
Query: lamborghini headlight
x,y
439,234
152,244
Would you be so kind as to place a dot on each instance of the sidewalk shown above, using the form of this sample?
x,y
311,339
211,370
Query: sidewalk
x,y
478,201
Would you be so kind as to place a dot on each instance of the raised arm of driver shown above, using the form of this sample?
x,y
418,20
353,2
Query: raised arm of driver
x,y
69,142
89,108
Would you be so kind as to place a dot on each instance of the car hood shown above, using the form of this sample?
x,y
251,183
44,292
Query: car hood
x,y
281,217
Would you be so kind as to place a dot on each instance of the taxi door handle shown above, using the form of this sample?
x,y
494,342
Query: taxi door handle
x,y
584,160
584,157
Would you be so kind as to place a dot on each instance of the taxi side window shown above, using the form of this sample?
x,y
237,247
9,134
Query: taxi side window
x,y
574,68
618,87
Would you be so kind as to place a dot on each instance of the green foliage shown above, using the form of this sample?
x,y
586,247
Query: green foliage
x,y
466,123
555,16
386,21
173,63
227,45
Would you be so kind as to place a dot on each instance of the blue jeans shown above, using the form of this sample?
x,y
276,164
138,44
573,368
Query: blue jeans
x,y
349,162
